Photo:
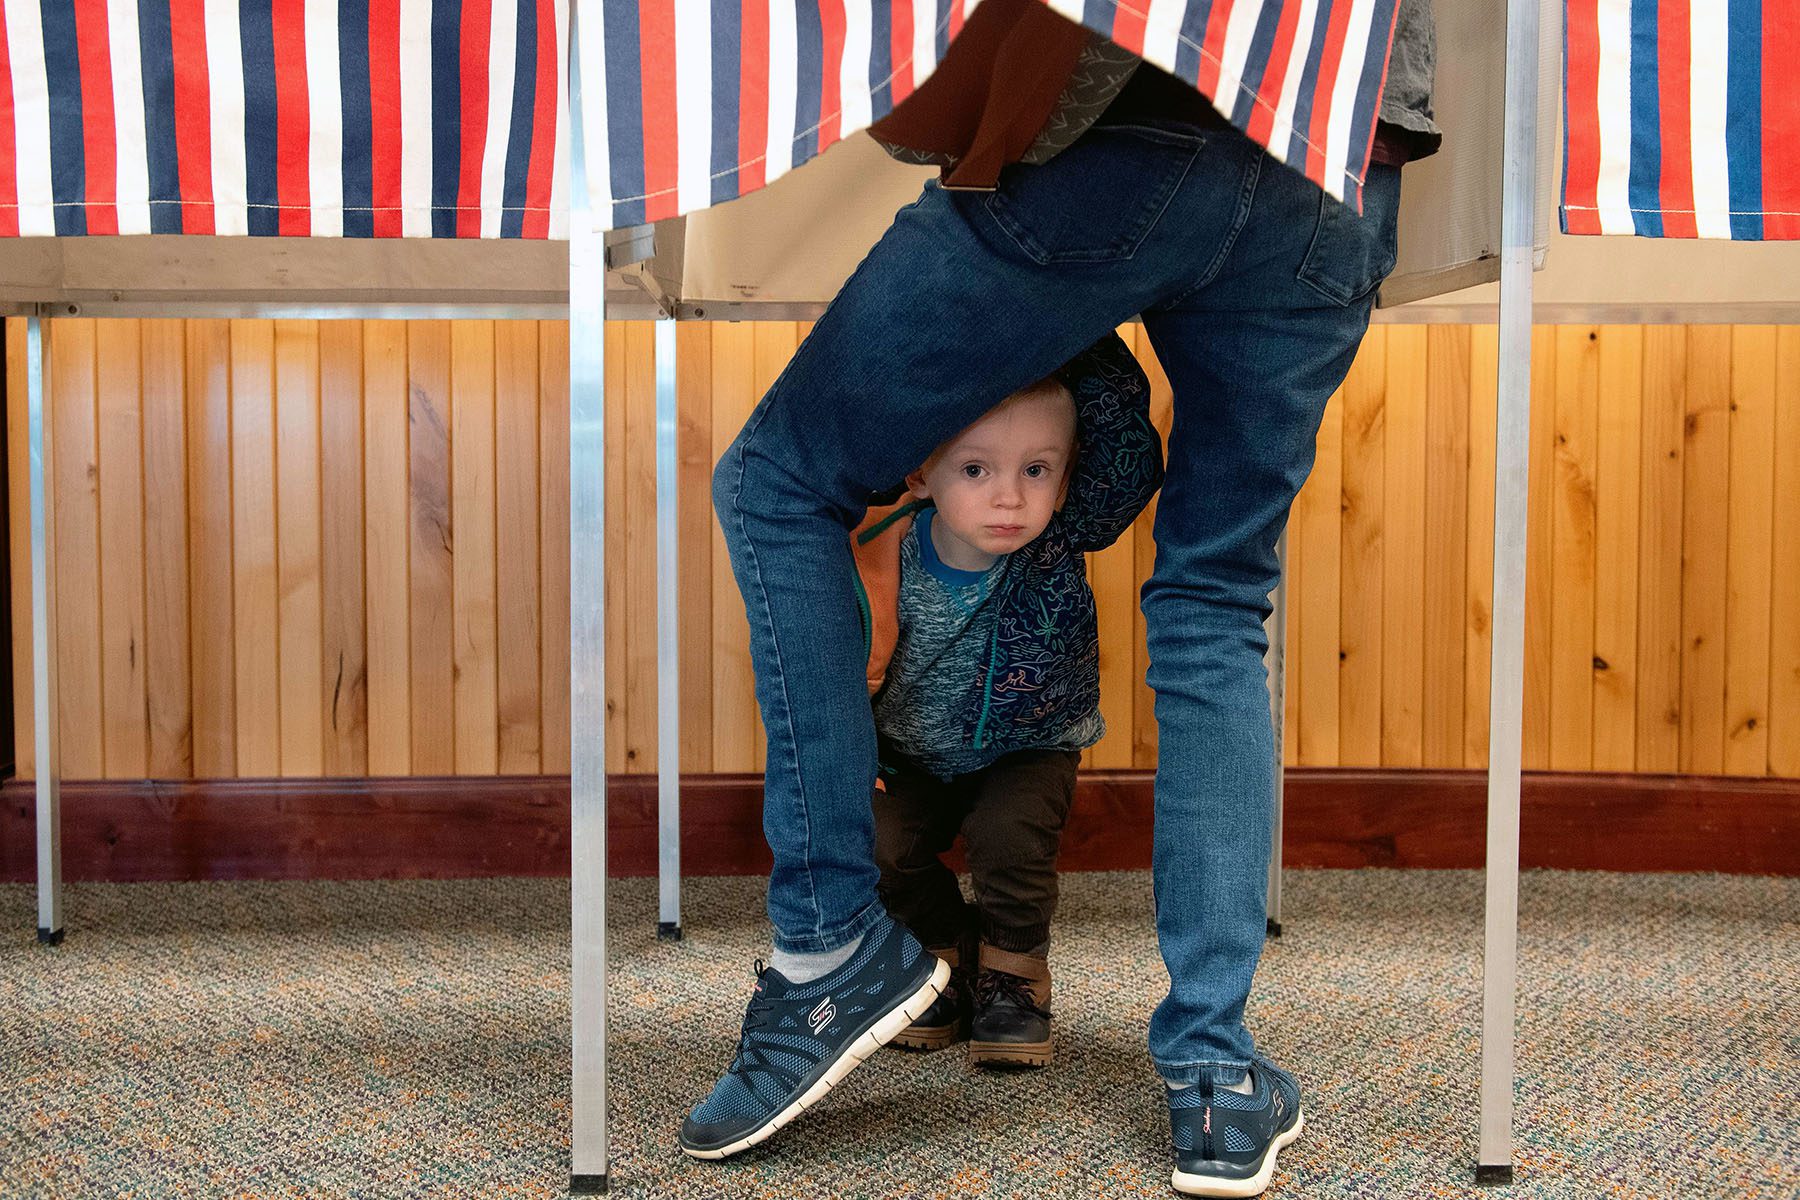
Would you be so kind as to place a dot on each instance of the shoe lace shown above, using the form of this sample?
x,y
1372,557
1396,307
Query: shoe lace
x,y
750,1055
992,986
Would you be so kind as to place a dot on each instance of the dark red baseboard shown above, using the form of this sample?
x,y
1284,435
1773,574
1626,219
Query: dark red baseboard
x,y
467,826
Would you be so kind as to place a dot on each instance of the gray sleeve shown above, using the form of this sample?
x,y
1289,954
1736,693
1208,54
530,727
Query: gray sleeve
x,y
1406,98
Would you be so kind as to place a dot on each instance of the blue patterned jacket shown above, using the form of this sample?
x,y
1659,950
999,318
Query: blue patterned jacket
x,y
1044,662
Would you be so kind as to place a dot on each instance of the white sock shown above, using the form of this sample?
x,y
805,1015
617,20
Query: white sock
x,y
804,967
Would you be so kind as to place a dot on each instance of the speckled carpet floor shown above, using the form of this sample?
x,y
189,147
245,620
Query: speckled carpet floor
x,y
411,1039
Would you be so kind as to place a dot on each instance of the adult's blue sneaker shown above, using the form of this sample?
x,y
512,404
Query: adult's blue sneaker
x,y
800,1040
1225,1141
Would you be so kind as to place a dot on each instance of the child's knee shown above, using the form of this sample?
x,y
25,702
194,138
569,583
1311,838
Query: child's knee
x,y
1013,836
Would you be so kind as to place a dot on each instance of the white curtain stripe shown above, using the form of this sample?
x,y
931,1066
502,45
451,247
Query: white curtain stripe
x,y
415,118
1708,81
1343,95
1240,31
133,164
225,89
1162,32
1613,193
783,86
1281,133
31,117
598,172
855,75
503,45
325,119
693,104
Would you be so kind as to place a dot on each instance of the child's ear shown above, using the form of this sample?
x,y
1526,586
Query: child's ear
x,y
915,484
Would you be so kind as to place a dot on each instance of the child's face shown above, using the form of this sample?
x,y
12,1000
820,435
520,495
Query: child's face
x,y
998,482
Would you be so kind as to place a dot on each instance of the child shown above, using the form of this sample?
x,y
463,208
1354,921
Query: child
x,y
984,671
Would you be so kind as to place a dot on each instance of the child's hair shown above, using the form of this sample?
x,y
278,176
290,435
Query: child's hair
x,y
1049,385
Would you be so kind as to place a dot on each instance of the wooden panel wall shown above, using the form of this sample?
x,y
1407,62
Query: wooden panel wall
x,y
299,548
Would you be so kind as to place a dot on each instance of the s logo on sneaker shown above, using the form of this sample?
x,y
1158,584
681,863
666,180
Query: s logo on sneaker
x,y
822,1015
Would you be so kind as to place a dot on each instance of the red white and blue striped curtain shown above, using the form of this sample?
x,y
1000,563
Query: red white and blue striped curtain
x,y
1682,118
694,102
328,118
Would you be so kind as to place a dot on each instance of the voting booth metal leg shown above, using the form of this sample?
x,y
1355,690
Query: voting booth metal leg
x,y
668,649
43,649
1276,662
1511,467
587,663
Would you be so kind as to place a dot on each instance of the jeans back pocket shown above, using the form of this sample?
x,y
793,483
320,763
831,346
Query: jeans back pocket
x,y
1096,201
1350,254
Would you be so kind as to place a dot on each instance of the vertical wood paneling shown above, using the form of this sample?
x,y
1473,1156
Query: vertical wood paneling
x,y
694,580
387,533
118,358
1292,668
639,565
1618,459
1572,549
618,670
553,556
253,496
212,626
1750,519
1478,636
256,600
475,608
73,445
344,692
1360,655
1403,520
165,522
1445,573
1162,415
516,504
70,407
298,544
1315,545
734,732
1539,592
433,656
18,520
1705,545
775,343
1784,599
1112,572
1659,646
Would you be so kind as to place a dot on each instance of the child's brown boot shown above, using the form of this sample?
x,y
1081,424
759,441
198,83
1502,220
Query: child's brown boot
x,y
946,1022
1011,1026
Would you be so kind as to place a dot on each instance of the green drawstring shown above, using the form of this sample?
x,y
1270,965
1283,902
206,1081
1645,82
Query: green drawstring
x,y
905,510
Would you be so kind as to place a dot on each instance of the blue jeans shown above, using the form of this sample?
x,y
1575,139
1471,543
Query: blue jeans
x,y
1255,290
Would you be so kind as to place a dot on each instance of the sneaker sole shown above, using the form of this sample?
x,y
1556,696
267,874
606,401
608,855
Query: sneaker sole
x,y
927,1038
1236,1189
1011,1054
873,1039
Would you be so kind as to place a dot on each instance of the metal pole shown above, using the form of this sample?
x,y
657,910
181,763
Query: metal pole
x,y
1276,661
587,662
43,649
668,660
1511,467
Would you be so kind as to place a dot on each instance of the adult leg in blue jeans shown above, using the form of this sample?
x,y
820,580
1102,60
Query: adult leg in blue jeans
x,y
1256,292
